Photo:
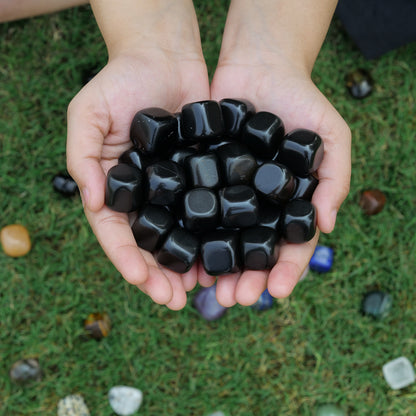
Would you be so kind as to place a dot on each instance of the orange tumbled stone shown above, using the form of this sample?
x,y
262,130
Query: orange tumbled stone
x,y
15,240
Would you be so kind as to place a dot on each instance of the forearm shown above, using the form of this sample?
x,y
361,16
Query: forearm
x,y
170,25
21,9
294,29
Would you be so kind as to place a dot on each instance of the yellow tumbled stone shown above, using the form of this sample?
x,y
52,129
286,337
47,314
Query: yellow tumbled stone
x,y
15,240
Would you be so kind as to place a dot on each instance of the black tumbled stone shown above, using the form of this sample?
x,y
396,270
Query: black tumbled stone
x,y
237,163
235,114
203,171
154,130
220,252
239,206
200,210
179,155
263,134
135,157
179,251
151,227
202,120
259,248
274,181
269,215
166,182
124,188
305,187
65,185
298,221
301,152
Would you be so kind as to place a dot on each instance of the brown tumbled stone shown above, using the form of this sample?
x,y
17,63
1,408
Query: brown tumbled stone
x,y
97,325
372,201
15,240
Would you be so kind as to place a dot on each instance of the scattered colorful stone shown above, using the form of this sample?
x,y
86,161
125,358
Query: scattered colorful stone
x,y
205,302
399,373
329,410
264,302
322,259
73,405
15,240
377,304
125,400
97,325
372,201
65,185
219,413
25,371
359,83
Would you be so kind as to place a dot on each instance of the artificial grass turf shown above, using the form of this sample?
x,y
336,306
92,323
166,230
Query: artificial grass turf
x,y
312,348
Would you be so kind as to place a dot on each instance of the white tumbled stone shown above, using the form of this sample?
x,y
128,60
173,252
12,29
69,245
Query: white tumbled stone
x,y
125,400
399,373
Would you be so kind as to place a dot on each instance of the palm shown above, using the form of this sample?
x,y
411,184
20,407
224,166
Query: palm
x,y
297,101
104,109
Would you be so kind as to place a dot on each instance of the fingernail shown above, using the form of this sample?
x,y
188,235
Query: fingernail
x,y
334,217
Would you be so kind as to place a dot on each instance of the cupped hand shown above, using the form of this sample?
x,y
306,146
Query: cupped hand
x,y
99,119
286,90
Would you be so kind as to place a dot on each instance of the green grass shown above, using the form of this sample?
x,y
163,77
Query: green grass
x,y
312,348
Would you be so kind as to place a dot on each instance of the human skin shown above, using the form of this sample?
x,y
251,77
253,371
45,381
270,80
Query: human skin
x,y
155,60
269,49
22,9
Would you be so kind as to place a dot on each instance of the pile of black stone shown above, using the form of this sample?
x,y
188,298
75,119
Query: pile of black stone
x,y
218,182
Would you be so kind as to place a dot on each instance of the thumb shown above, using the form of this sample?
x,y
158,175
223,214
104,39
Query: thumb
x,y
87,127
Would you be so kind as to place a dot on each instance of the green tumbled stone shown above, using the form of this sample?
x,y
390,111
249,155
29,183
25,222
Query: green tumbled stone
x,y
329,410
376,304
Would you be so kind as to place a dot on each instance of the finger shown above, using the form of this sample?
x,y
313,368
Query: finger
x,y
334,179
157,286
226,286
87,128
204,279
114,234
178,300
293,260
190,278
250,286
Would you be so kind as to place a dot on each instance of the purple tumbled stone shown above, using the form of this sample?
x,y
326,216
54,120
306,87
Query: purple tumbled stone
x,y
206,304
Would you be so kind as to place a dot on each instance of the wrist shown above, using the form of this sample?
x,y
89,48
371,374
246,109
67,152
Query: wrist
x,y
267,32
131,26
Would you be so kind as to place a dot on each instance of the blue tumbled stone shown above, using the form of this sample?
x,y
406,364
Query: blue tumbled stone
x,y
322,259
264,302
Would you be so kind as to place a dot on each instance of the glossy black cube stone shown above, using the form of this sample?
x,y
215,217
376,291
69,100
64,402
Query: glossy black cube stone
x,y
237,163
200,210
151,227
274,181
65,185
166,183
305,187
124,188
239,206
259,248
179,155
179,250
135,157
262,134
202,121
235,114
154,130
269,215
301,151
298,221
220,252
203,171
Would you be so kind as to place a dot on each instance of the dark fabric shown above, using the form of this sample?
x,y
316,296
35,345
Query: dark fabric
x,y
378,26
